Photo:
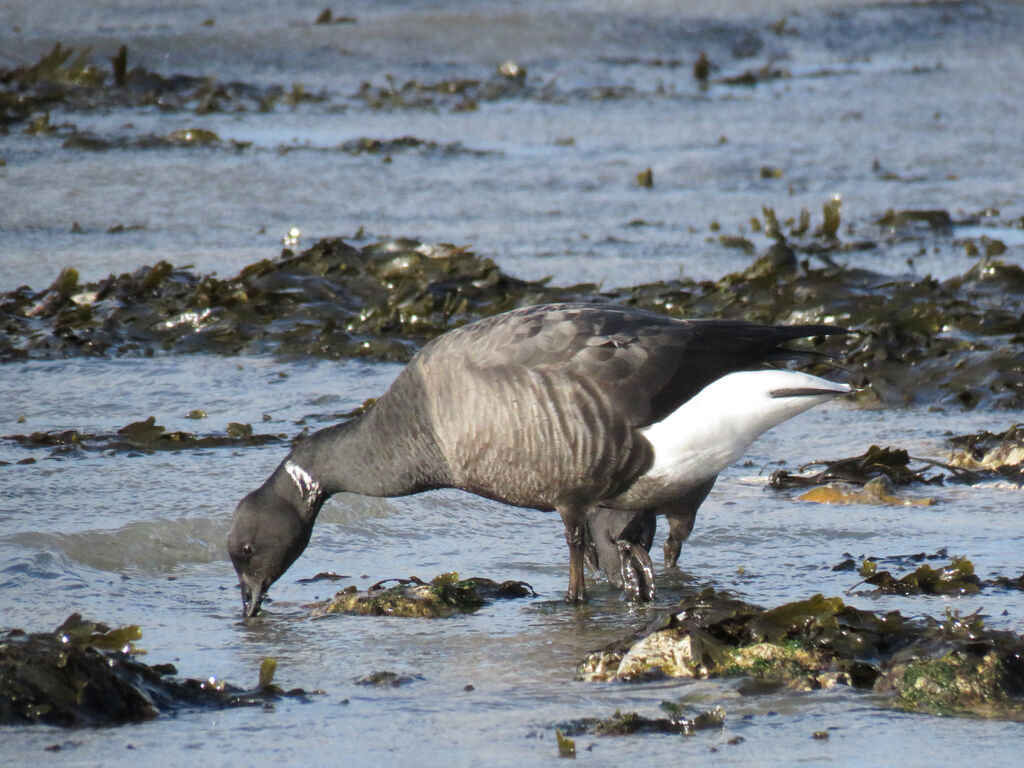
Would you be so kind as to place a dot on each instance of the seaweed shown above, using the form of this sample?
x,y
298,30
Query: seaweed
x,y
444,596
146,436
566,746
629,723
821,642
975,458
956,578
909,219
891,463
763,74
956,341
69,80
84,674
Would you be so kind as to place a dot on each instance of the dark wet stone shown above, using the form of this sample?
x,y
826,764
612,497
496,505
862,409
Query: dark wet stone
x,y
84,674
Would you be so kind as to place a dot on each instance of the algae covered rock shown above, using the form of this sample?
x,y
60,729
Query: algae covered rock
x,y
1002,453
444,596
84,674
955,666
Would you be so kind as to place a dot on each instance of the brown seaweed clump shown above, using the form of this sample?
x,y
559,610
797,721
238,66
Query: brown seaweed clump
x,y
629,723
955,578
878,472
146,436
68,80
84,674
332,300
915,340
954,666
444,596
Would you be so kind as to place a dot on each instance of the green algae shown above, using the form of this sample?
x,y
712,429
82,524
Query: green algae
x,y
821,642
445,596
84,674
267,670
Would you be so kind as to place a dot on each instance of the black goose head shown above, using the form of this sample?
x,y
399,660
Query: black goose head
x,y
267,535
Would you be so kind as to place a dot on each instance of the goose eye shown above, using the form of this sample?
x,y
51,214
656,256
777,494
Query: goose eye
x,y
247,550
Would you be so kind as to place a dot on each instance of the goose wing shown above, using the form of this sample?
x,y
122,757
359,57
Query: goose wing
x,y
646,364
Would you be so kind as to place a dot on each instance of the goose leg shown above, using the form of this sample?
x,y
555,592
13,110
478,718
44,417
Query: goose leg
x,y
575,537
681,516
679,529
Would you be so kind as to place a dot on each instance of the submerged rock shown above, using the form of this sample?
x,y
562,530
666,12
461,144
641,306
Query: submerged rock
x,y
822,642
444,596
84,674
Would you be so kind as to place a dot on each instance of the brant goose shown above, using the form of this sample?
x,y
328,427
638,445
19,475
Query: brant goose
x,y
609,415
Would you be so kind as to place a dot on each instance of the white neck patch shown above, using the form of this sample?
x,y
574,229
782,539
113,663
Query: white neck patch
x,y
308,488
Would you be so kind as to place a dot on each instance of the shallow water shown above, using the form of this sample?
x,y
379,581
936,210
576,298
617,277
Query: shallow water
x,y
929,91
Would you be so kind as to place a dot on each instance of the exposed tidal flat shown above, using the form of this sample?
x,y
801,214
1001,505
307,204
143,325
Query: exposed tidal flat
x,y
223,226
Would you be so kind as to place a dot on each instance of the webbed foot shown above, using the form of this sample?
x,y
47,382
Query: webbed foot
x,y
637,572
